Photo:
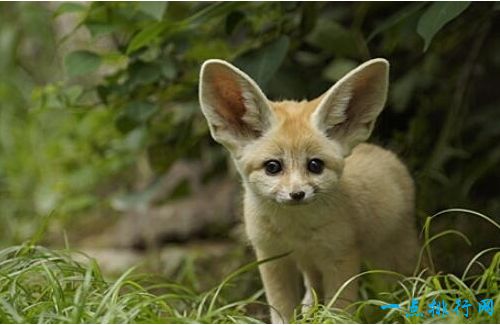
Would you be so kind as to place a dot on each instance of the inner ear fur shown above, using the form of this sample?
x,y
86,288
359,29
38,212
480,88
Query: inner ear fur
x,y
235,107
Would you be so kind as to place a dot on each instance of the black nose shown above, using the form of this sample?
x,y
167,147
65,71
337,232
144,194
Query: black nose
x,y
297,196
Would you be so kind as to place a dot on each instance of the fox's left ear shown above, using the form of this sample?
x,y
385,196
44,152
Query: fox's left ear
x,y
348,110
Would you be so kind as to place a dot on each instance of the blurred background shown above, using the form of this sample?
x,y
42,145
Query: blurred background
x,y
103,147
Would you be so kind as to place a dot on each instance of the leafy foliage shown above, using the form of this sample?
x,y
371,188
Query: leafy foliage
x,y
76,130
436,16
81,62
107,105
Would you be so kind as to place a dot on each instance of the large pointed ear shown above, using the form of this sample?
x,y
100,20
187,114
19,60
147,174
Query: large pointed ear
x,y
348,110
236,109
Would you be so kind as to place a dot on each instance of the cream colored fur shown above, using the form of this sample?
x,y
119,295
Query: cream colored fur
x,y
360,207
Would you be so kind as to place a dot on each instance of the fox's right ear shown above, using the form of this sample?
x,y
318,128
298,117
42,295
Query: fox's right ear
x,y
236,109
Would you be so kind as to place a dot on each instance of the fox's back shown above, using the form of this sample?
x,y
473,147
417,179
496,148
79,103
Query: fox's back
x,y
383,194
375,170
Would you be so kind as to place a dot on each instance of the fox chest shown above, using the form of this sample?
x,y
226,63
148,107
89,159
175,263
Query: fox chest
x,y
303,235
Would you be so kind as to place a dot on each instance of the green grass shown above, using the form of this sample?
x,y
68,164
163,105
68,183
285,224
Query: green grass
x,y
39,285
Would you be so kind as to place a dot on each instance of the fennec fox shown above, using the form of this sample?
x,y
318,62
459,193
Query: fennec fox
x,y
312,189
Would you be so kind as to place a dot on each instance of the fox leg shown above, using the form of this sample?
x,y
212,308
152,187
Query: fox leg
x,y
282,284
312,282
335,274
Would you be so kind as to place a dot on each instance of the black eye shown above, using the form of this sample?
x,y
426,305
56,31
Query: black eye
x,y
272,167
315,166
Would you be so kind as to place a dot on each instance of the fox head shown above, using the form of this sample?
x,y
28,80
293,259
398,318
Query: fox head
x,y
290,152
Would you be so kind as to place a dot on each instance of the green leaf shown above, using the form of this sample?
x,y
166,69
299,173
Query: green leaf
x,y
98,29
168,69
142,73
396,18
70,7
263,63
436,16
150,33
81,62
309,17
402,90
146,36
134,114
333,38
72,93
338,68
155,9
232,21
218,9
